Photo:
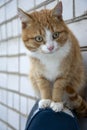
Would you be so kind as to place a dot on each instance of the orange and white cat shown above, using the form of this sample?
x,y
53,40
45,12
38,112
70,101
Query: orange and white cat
x,y
57,70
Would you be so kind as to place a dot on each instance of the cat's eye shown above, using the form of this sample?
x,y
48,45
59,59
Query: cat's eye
x,y
55,35
39,38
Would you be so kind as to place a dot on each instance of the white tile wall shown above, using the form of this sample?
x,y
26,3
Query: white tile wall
x,y
30,104
23,105
13,64
2,2
51,5
26,86
16,101
22,47
3,113
3,96
13,119
9,29
3,64
16,93
3,31
0,33
0,95
3,126
39,2
13,46
24,64
80,7
23,122
3,48
28,4
67,9
10,99
19,26
80,31
11,9
3,80
9,128
15,27
2,17
41,8
13,82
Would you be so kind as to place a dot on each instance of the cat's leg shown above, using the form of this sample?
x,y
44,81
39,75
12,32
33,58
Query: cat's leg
x,y
58,89
45,92
78,103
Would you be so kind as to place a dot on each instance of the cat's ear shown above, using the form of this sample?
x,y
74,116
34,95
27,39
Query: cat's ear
x,y
24,17
57,11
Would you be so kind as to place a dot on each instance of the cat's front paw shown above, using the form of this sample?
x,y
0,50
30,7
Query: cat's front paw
x,y
57,106
44,103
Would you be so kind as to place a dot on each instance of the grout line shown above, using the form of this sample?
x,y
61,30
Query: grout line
x,y
17,92
7,124
13,55
13,109
76,19
14,73
5,4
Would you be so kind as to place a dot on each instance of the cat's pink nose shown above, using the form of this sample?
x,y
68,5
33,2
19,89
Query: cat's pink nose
x,y
50,48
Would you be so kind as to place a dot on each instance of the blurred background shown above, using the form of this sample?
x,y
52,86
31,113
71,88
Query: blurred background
x,y
16,94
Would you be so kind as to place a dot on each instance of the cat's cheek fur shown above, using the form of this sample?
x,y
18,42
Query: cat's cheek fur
x,y
44,49
57,106
44,103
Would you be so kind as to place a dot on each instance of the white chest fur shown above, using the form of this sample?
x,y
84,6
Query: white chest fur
x,y
51,67
52,62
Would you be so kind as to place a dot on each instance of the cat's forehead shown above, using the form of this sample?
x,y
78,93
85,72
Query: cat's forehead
x,y
44,19
42,15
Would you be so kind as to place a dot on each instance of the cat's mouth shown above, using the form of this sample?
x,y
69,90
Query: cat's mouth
x,y
49,52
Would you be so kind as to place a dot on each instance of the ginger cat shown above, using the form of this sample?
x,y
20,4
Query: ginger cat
x,y
57,70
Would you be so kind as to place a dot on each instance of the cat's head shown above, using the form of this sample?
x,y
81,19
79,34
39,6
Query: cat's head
x,y
44,31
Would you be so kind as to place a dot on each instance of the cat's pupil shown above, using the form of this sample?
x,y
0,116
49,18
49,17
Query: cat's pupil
x,y
55,35
38,38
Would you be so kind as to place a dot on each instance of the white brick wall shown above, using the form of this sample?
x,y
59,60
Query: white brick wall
x,y
26,86
2,17
28,4
13,46
67,9
11,9
3,79
13,119
3,113
3,126
13,82
80,30
16,93
16,101
80,7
